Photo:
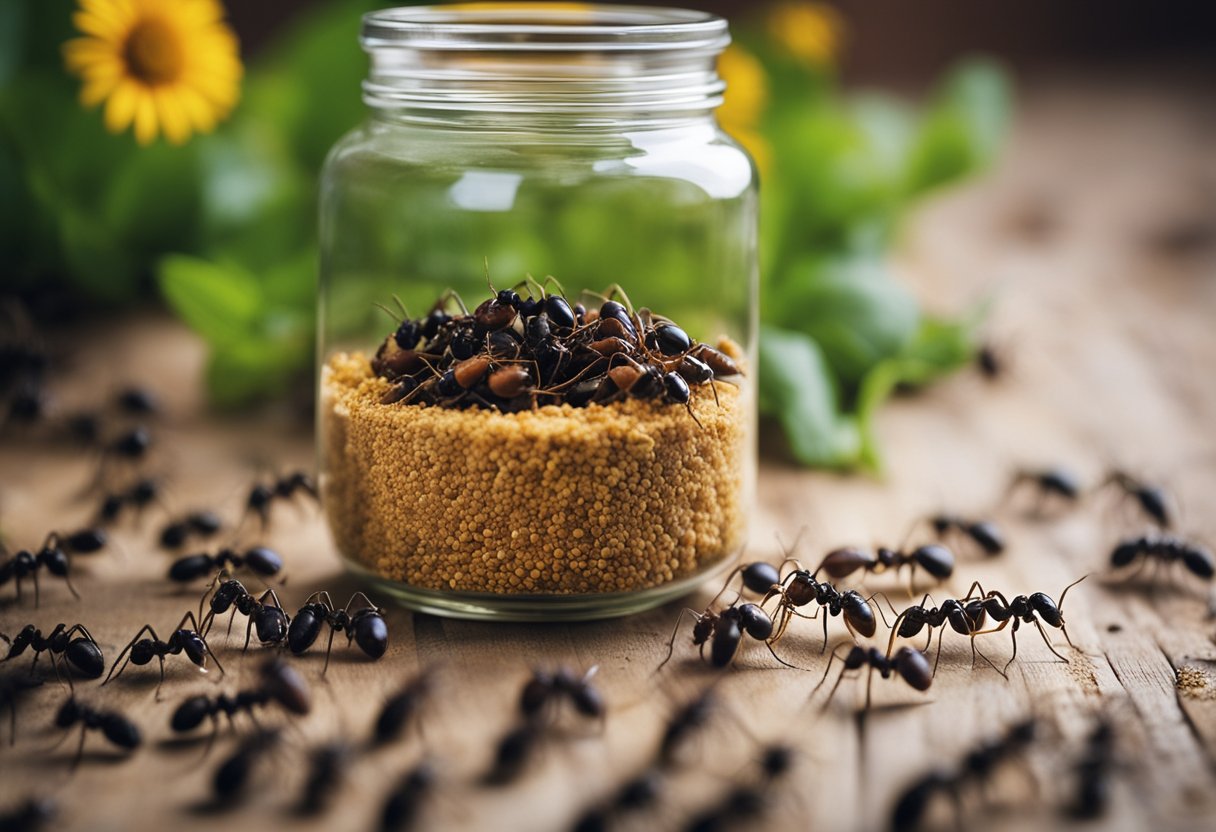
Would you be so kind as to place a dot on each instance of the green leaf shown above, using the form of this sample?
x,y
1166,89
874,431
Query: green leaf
x,y
796,386
939,348
962,131
851,306
223,303
242,372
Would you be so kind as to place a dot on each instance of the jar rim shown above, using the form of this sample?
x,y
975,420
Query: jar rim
x,y
544,27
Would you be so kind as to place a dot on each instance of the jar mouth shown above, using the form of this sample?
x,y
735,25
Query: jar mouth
x,y
544,27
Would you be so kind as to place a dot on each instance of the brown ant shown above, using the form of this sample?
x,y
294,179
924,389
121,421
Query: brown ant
x,y
909,664
262,495
1048,483
1153,500
269,620
115,727
54,556
985,534
976,768
365,627
1163,549
80,653
934,558
142,651
964,617
1038,608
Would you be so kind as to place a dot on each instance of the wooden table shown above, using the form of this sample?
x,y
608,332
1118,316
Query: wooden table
x,y
1107,319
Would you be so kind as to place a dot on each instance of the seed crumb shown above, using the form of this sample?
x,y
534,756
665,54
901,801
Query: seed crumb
x,y
1195,682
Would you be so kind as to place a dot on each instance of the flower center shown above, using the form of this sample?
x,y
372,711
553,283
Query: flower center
x,y
152,52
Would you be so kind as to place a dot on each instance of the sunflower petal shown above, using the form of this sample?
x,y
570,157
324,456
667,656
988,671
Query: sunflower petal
x,y
145,119
120,109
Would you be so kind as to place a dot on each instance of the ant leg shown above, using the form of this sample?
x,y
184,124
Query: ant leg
x,y
941,631
328,649
1014,634
671,645
891,606
79,748
895,630
726,584
828,669
67,579
36,590
869,685
162,676
977,651
825,634
778,658
147,628
1047,641
248,633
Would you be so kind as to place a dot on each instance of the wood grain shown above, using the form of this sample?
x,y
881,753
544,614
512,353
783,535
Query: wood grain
x,y
1111,347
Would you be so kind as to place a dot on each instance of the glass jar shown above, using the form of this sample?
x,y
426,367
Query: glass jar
x,y
537,146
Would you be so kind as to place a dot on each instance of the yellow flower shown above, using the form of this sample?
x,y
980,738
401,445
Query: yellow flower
x,y
744,101
809,31
168,66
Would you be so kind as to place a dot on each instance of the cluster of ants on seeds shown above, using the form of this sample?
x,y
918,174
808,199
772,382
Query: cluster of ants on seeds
x,y
782,593
516,352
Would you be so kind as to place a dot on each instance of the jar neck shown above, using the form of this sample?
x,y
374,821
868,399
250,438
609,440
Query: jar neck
x,y
543,66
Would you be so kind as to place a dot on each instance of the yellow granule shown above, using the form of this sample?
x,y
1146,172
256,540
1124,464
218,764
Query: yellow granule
x,y
554,500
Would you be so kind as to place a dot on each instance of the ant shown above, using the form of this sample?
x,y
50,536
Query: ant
x,y
934,558
115,727
132,446
366,627
799,588
1163,549
689,719
724,630
81,653
137,401
327,770
542,694
758,577
13,687
53,556
278,683
983,533
232,775
1048,483
977,767
1093,771
1037,608
138,496
965,618
909,664
30,816
1152,499
400,708
260,560
270,620
637,794
188,641
201,523
747,801
262,496
404,803
513,752
989,361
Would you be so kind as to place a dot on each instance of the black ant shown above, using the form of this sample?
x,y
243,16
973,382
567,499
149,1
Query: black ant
x,y
137,401
990,363
13,687
965,618
53,556
262,496
201,523
182,640
130,446
366,627
1163,549
799,588
259,560
985,534
723,631
278,683
269,620
1037,608
907,663
232,775
1152,499
636,794
515,749
141,494
757,577
747,801
934,558
115,727
689,719
328,766
81,653
31,815
977,767
1048,483
1093,773
400,708
405,801
543,693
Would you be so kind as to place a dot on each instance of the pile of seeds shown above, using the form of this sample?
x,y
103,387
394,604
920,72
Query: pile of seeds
x,y
515,353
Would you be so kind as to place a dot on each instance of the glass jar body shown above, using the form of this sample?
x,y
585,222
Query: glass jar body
x,y
540,514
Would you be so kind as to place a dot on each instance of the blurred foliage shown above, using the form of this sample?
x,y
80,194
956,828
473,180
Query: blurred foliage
x,y
225,227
